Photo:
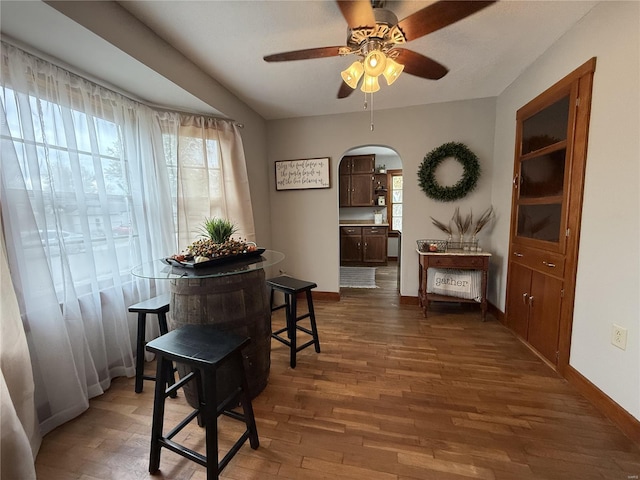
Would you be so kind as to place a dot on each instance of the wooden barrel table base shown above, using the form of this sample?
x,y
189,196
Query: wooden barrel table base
x,y
236,303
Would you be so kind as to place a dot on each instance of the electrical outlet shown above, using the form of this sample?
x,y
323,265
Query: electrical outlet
x,y
619,336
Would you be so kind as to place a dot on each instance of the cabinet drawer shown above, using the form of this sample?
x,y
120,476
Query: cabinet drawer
x,y
457,261
374,230
351,230
547,262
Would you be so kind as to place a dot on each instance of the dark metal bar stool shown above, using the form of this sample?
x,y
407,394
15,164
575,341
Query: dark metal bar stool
x,y
158,306
291,287
214,361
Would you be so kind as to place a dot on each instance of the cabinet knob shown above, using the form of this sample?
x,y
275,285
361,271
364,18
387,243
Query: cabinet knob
x,y
518,254
524,297
531,301
550,265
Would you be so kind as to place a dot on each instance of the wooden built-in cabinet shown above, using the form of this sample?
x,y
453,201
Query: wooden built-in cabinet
x,y
535,301
363,245
549,165
356,180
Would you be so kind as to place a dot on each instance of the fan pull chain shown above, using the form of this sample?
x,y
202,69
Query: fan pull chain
x,y
371,111
366,106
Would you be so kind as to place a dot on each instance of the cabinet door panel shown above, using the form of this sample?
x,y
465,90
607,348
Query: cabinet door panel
x,y
363,164
345,190
518,292
540,222
375,247
543,176
351,248
544,320
546,127
361,190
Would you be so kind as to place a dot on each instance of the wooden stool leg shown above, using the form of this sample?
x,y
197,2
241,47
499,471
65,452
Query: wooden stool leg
x,y
247,409
312,320
271,296
142,323
171,378
158,415
291,328
208,410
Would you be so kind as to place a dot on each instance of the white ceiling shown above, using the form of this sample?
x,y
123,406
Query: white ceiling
x,y
227,39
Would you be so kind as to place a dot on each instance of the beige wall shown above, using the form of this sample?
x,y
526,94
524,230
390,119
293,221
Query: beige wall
x,y
607,284
305,222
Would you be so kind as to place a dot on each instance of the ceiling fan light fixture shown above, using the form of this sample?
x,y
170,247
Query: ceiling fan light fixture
x,y
392,71
351,75
370,84
375,63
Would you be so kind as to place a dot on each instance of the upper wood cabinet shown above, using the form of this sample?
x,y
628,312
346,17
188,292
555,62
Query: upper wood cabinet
x,y
356,164
356,180
542,171
548,181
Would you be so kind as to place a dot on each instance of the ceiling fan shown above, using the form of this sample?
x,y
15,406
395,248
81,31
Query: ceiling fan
x,y
376,36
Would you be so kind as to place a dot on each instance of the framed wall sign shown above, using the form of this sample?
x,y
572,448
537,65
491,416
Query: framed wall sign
x,y
303,174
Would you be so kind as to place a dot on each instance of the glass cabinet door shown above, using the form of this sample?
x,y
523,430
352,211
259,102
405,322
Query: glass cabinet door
x,y
540,177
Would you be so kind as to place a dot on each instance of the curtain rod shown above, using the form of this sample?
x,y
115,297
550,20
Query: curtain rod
x,y
102,83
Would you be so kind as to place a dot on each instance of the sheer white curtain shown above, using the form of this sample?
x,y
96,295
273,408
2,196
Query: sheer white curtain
x,y
212,177
85,196
19,433
89,189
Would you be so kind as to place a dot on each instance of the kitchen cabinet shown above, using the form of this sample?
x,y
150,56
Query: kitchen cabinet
x,y
356,180
366,245
350,244
374,241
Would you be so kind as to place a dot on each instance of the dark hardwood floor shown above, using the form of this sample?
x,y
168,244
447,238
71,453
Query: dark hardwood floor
x,y
392,396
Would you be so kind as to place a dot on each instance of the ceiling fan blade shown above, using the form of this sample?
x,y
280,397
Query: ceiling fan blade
x,y
437,16
321,52
345,90
357,13
419,65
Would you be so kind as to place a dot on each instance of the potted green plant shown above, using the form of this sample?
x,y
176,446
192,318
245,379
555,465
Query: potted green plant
x,y
218,230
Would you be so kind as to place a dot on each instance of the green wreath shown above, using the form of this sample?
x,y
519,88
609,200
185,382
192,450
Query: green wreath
x,y
426,172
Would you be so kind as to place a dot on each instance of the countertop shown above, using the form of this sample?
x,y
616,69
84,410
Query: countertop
x,y
361,223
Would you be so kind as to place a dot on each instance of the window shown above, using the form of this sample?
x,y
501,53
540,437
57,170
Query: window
x,y
395,208
76,181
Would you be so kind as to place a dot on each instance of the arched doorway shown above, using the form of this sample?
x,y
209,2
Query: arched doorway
x,y
370,205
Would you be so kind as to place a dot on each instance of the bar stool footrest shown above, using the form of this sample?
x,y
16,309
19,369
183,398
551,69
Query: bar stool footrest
x,y
308,344
183,451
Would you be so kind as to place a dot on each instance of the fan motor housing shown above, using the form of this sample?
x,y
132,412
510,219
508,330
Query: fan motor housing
x,y
385,33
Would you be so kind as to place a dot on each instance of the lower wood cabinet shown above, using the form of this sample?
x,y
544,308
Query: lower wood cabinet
x,y
534,302
350,244
363,245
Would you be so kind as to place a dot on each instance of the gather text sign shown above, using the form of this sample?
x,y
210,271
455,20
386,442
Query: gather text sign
x,y
302,174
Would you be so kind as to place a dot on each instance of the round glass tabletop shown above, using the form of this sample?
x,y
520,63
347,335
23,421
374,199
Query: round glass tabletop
x,y
161,269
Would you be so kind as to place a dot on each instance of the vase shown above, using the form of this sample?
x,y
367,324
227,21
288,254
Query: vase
x,y
474,243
